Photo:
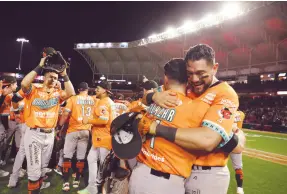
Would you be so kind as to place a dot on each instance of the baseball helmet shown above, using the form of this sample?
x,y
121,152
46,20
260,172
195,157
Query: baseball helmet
x,y
54,61
126,139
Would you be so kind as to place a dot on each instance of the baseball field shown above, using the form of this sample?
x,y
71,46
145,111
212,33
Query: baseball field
x,y
265,168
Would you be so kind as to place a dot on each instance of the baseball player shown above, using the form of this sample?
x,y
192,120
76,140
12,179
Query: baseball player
x,y
77,136
4,91
101,139
8,116
20,156
217,104
236,159
42,106
162,165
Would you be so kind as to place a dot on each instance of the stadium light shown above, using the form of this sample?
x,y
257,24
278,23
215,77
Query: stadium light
x,y
282,92
102,77
231,10
22,40
152,36
129,83
282,74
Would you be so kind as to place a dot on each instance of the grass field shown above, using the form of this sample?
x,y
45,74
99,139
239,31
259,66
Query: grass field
x,y
260,177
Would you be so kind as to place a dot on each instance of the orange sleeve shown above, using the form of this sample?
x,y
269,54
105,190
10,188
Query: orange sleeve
x,y
220,117
30,91
69,105
102,115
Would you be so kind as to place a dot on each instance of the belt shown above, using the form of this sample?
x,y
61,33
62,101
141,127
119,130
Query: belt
x,y
195,167
42,130
159,173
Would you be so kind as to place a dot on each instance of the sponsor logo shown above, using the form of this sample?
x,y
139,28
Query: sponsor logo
x,y
209,98
45,115
153,156
45,104
228,103
225,113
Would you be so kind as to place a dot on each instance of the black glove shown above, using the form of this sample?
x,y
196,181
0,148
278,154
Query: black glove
x,y
54,61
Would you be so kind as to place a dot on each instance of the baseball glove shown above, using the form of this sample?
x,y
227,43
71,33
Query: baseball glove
x,y
54,61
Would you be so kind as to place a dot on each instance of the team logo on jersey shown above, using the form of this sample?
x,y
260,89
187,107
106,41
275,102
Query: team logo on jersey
x,y
209,98
225,113
45,104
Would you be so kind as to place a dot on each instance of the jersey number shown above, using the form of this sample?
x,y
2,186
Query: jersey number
x,y
152,141
86,111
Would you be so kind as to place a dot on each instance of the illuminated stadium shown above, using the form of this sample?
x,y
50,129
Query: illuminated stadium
x,y
249,39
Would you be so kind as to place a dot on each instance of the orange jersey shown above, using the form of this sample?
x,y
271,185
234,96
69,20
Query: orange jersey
x,y
125,102
163,155
42,108
6,106
105,112
120,108
216,109
79,106
239,118
21,107
137,106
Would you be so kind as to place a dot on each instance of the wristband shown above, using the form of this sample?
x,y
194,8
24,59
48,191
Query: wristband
x,y
149,100
38,69
166,132
66,78
231,144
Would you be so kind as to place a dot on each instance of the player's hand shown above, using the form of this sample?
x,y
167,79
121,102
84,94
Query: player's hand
x,y
17,118
85,120
63,73
165,99
144,124
58,85
42,62
241,142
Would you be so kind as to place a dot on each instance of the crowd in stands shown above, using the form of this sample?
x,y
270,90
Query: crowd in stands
x,y
261,86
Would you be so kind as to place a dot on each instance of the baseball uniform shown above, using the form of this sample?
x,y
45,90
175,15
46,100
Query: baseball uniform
x,y
20,156
5,113
236,159
41,110
120,108
216,109
137,106
162,165
77,136
104,114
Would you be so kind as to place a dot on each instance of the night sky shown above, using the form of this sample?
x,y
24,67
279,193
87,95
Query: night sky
x,y
61,24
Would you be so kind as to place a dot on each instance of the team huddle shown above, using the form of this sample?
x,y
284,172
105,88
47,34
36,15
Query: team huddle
x,y
175,139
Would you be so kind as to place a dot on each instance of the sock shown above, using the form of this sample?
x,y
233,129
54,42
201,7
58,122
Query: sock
x,y
80,167
67,164
33,187
239,177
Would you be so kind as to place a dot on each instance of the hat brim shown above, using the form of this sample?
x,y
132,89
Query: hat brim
x,y
131,149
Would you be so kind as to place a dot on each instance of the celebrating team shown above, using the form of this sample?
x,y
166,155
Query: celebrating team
x,y
189,127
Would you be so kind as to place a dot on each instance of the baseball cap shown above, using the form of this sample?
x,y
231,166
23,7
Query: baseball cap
x,y
7,80
150,84
83,86
106,85
126,139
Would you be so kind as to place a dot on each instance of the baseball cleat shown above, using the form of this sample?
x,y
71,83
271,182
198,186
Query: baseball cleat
x,y
47,170
58,170
11,186
2,163
240,190
3,173
45,185
74,175
22,173
76,184
66,186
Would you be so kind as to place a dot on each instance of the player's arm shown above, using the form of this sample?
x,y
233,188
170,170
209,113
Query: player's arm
x,y
165,99
66,113
17,97
4,92
27,81
215,130
69,88
102,116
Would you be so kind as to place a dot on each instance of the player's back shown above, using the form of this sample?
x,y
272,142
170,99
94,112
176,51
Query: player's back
x,y
80,106
161,154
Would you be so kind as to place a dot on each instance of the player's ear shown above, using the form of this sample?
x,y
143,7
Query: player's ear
x,y
165,81
215,68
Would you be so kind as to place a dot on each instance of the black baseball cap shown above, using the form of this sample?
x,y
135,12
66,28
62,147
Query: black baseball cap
x,y
150,84
83,86
106,85
7,80
126,139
